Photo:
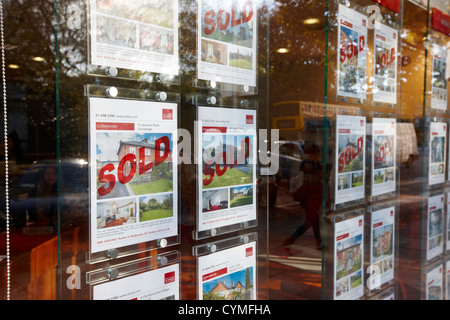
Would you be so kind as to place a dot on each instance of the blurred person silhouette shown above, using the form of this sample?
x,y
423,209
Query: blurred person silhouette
x,y
308,192
43,203
15,145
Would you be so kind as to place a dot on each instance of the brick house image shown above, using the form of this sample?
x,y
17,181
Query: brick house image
x,y
384,242
223,290
133,147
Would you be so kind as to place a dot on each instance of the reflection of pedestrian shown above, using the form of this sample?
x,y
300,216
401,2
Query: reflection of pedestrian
x,y
44,198
310,195
16,150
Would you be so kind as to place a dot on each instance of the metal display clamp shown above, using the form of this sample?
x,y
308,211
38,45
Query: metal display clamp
x,y
123,270
219,87
216,246
113,72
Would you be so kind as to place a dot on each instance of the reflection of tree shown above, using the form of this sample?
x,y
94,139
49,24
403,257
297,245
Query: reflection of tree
x,y
31,88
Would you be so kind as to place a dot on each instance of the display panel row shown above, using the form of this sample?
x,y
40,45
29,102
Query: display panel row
x,y
135,158
364,261
144,37
226,270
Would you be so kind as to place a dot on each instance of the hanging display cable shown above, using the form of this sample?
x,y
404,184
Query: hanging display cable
x,y
5,125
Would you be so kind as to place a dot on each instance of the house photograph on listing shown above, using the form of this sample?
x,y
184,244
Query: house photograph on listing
x,y
142,161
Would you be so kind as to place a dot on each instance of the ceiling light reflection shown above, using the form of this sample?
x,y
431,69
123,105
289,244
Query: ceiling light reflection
x,y
311,21
283,50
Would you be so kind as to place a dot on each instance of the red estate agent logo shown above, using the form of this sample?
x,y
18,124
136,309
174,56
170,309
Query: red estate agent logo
x,y
167,114
169,277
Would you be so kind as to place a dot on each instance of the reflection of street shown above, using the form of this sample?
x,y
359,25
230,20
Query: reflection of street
x,y
295,271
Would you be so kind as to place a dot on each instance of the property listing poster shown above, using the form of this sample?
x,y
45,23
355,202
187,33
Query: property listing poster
x,y
352,56
385,66
226,147
434,284
382,246
159,284
447,229
348,259
135,34
447,280
229,274
350,158
439,80
435,225
133,172
438,137
384,132
227,41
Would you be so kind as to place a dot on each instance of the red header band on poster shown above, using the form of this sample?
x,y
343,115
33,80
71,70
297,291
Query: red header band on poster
x,y
379,224
214,274
214,129
440,21
341,237
114,126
